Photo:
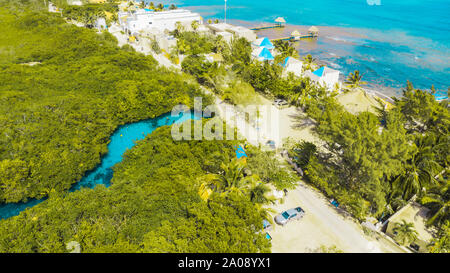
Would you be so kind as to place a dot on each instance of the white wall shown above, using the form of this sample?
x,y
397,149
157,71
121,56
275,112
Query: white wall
x,y
295,67
330,79
161,20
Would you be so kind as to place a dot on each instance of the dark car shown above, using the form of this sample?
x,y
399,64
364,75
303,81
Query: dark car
x,y
286,216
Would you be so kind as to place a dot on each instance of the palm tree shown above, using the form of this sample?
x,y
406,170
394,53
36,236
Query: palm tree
x,y
160,6
420,170
179,28
216,21
172,7
286,49
354,80
231,179
209,21
441,244
232,176
195,25
309,62
405,233
301,99
265,212
439,199
258,193
182,47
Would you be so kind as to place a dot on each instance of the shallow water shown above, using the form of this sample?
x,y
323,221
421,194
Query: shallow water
x,y
121,140
389,43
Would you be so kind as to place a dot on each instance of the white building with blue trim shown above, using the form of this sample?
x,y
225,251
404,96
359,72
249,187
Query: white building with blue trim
x,y
263,49
324,76
292,65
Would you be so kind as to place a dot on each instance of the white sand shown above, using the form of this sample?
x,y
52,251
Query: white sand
x,y
322,225
357,101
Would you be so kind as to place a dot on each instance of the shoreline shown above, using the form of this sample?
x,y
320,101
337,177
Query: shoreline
x,y
327,32
339,39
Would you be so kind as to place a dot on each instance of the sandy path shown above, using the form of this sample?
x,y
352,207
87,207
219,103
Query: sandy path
x,y
323,225
143,46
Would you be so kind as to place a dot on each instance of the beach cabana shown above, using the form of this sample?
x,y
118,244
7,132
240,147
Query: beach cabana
x,y
263,42
262,54
325,76
296,35
314,31
280,21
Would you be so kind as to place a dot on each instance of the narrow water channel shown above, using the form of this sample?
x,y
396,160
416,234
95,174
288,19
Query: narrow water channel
x,y
123,138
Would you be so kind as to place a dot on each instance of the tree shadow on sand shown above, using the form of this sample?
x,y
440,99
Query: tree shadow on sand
x,y
301,120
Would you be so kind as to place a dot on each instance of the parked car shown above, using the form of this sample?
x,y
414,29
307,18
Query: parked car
x,y
288,215
280,103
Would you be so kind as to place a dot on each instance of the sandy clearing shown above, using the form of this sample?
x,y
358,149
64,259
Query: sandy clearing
x,y
322,225
357,101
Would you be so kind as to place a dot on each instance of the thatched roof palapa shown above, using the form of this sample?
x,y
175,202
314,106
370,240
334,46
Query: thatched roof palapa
x,y
295,33
313,29
280,20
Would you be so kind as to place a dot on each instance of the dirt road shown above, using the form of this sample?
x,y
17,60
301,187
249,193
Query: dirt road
x,y
322,225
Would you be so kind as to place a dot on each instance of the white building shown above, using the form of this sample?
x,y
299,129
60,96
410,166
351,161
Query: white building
x,y
263,42
324,76
100,24
238,31
52,7
143,19
262,54
292,65
227,36
242,32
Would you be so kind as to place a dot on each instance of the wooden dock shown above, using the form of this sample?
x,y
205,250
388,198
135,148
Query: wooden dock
x,y
267,27
293,38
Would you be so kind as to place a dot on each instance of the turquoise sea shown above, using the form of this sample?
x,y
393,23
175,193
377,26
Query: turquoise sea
x,y
389,43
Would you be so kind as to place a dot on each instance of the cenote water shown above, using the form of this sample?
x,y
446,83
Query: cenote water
x,y
124,138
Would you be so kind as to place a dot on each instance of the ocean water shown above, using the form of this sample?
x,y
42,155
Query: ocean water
x,y
124,138
389,42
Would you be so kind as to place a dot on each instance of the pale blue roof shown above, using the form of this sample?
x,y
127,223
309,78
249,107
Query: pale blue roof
x,y
265,54
264,42
319,72
286,60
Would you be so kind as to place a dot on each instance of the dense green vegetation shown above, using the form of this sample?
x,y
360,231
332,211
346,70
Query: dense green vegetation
x,y
372,164
62,95
153,205
57,115
65,89
88,14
